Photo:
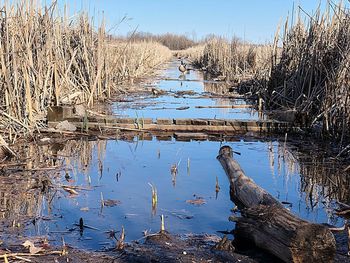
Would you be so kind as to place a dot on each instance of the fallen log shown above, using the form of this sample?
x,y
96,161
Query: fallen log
x,y
269,225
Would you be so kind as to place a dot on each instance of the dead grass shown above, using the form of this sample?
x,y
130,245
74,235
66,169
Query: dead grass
x,y
47,59
312,76
193,54
233,60
136,59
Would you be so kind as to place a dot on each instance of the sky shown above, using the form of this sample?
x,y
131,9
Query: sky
x,y
251,20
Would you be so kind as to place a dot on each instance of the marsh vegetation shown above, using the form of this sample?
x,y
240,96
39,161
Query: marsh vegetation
x,y
104,187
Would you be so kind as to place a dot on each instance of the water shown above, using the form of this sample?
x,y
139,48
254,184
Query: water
x,y
169,105
122,170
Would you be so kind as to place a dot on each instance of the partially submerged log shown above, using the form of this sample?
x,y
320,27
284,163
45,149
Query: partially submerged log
x,y
269,225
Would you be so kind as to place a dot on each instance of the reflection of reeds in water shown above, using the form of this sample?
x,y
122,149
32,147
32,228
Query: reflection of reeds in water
x,y
220,88
18,199
321,180
23,191
81,155
26,194
322,177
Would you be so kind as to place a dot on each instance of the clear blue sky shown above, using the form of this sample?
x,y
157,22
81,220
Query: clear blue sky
x,y
254,20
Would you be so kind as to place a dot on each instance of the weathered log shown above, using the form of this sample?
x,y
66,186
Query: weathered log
x,y
269,225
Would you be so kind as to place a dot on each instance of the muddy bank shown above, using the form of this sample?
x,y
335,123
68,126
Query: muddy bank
x,y
156,248
162,248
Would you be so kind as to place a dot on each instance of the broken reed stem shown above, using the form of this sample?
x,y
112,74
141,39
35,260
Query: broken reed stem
x,y
102,201
121,241
162,226
154,195
6,256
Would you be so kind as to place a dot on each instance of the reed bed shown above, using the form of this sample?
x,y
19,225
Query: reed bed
x,y
193,54
172,41
233,60
132,60
312,76
47,59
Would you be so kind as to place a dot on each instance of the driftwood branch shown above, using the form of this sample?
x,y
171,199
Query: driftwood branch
x,y
269,225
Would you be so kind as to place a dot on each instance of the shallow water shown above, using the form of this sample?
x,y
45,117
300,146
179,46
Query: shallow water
x,y
122,170
172,105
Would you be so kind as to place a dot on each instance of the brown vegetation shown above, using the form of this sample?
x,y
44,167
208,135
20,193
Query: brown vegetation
x,y
136,59
172,41
233,59
312,75
49,60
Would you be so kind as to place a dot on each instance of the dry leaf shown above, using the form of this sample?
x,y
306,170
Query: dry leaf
x,y
32,248
70,190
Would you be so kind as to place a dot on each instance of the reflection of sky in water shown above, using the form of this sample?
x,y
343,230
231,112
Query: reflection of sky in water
x,y
143,162
166,107
174,85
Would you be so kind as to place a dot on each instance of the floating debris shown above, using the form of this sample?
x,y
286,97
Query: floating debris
x,y
197,201
70,190
182,108
181,214
111,202
217,187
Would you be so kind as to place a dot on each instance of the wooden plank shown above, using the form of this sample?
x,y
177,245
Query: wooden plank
x,y
161,121
199,122
190,135
233,128
216,122
183,121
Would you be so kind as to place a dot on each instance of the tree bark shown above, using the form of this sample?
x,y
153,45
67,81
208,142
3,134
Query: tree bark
x,y
269,225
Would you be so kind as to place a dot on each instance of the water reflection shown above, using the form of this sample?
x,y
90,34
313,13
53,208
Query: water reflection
x,y
118,173
220,88
187,95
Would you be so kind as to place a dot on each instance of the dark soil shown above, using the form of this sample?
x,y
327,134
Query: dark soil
x,y
158,248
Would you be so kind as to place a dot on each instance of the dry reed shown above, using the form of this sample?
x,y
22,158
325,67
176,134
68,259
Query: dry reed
x,y
312,76
136,59
233,60
47,59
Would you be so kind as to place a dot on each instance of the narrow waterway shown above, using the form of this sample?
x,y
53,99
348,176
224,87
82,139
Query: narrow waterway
x,y
119,173
185,96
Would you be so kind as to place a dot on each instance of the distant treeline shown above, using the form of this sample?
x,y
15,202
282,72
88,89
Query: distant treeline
x,y
172,41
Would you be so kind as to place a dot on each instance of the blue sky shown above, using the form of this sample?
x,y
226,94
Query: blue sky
x,y
253,20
